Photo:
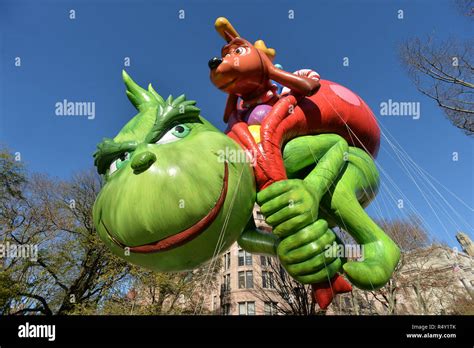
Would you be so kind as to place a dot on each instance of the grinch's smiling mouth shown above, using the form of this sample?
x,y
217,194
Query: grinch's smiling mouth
x,y
182,237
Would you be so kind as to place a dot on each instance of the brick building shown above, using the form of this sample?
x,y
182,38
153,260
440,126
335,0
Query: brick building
x,y
243,279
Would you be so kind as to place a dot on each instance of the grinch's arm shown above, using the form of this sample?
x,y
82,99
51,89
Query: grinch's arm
x,y
256,241
327,151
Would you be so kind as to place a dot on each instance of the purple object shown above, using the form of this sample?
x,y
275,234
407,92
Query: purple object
x,y
256,114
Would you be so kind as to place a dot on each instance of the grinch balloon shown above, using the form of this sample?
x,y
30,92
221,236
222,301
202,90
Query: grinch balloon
x,y
169,197
178,192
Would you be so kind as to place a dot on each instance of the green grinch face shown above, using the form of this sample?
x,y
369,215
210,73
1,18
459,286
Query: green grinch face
x,y
171,199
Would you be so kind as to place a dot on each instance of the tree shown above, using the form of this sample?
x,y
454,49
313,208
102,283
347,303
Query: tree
x,y
409,235
465,7
426,280
12,181
72,268
155,293
443,71
295,298
12,178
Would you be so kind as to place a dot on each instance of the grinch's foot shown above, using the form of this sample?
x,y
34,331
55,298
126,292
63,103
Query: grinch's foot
x,y
380,260
323,293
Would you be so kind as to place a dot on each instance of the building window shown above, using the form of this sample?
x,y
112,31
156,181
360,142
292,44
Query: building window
x,y
241,280
265,261
248,259
241,257
245,258
267,280
226,282
282,273
245,279
250,308
247,308
227,261
249,279
270,308
242,308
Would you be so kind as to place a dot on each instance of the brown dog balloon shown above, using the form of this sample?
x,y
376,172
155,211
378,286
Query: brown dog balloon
x,y
313,126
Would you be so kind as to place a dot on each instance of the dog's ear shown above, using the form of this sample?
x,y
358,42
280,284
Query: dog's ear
x,y
299,84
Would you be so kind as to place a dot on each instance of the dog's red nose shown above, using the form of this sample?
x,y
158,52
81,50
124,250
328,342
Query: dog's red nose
x,y
214,63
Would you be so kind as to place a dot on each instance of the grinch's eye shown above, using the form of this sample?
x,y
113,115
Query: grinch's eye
x,y
119,162
175,133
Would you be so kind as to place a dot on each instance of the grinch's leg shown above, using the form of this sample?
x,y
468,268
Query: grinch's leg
x,y
380,253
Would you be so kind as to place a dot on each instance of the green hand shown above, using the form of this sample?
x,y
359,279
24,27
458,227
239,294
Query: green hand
x,y
288,205
291,209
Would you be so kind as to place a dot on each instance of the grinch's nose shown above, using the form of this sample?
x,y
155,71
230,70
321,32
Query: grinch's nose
x,y
143,161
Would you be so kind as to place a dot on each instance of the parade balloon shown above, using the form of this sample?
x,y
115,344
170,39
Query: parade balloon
x,y
179,192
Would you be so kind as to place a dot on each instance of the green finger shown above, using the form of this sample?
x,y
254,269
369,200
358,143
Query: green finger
x,y
314,264
323,275
284,214
284,200
294,224
274,190
310,233
309,250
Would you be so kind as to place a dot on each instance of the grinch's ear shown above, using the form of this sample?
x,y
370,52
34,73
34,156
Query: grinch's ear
x,y
299,84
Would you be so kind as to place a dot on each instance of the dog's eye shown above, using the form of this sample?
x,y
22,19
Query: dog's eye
x,y
240,50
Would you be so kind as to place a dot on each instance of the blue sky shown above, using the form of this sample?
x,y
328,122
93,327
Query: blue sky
x,y
82,59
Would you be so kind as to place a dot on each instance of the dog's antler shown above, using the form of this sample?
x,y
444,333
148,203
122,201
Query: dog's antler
x,y
225,29
270,52
228,32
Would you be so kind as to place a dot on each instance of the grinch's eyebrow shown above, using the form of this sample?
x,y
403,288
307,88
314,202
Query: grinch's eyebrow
x,y
108,150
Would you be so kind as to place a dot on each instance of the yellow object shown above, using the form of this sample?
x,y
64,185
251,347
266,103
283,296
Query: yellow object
x,y
270,52
255,131
223,25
